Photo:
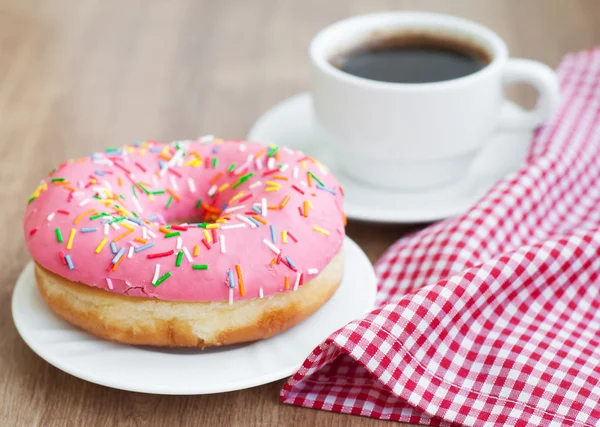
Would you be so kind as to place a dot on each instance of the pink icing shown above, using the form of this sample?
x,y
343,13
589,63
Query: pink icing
x,y
186,169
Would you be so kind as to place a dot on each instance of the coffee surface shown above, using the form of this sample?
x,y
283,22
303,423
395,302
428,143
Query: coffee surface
x,y
412,58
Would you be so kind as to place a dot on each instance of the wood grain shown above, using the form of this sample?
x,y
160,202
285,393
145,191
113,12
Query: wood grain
x,y
78,76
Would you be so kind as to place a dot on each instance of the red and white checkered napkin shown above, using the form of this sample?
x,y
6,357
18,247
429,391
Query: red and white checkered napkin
x,y
492,317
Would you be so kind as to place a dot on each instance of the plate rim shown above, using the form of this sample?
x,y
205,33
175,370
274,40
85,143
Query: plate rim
x,y
370,293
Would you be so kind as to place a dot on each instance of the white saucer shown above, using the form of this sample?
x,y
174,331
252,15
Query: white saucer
x,y
292,123
171,371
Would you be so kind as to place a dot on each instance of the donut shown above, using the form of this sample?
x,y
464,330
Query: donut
x,y
193,243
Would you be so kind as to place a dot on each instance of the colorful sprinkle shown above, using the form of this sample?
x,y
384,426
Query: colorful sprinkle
x,y
264,209
144,247
116,220
156,273
329,190
320,230
242,179
289,261
230,279
246,197
297,282
69,262
259,219
187,254
270,245
222,243
135,220
162,279
123,235
231,226
191,185
253,220
310,174
118,256
216,178
173,195
160,254
284,202
252,224
101,245
238,270
71,238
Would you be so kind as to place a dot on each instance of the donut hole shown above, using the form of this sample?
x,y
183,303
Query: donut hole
x,y
201,192
192,210
188,210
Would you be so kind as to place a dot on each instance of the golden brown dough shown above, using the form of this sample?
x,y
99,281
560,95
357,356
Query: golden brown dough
x,y
146,321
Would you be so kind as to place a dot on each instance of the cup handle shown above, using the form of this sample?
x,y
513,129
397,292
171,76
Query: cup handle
x,y
544,80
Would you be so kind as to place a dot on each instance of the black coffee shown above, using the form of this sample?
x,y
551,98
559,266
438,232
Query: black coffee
x,y
412,58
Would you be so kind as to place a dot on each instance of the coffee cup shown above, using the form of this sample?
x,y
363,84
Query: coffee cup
x,y
401,135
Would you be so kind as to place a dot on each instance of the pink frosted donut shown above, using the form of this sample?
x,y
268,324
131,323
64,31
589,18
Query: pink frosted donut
x,y
193,243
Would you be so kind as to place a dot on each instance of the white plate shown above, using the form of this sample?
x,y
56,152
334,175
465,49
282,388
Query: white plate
x,y
189,371
292,123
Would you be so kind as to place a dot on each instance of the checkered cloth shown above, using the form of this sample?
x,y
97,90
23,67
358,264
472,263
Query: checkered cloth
x,y
491,318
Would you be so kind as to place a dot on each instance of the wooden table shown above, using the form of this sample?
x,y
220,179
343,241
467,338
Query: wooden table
x,y
78,76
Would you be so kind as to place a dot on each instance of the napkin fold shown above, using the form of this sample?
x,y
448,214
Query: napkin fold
x,y
492,317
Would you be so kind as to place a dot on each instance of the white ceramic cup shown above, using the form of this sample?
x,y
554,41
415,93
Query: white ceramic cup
x,y
400,135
